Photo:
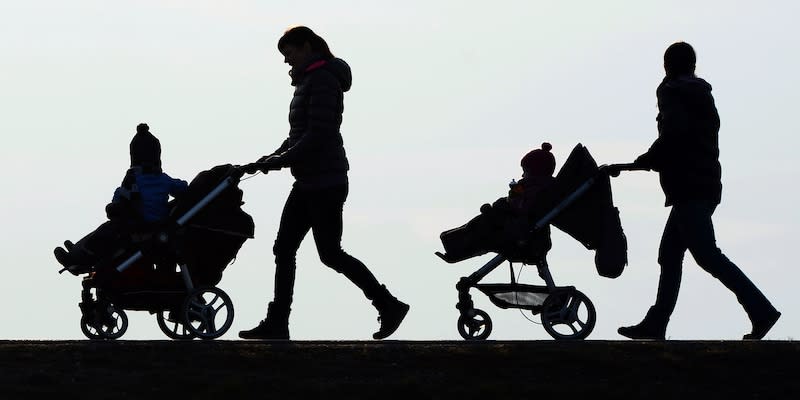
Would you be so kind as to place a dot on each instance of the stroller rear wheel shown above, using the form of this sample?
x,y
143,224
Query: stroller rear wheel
x,y
478,326
107,323
171,325
207,313
568,315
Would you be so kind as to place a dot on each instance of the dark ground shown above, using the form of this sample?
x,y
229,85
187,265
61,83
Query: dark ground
x,y
410,370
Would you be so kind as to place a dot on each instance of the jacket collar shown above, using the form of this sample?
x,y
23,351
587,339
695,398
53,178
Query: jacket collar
x,y
297,74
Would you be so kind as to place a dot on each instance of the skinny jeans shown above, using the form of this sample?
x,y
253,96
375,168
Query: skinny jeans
x,y
320,211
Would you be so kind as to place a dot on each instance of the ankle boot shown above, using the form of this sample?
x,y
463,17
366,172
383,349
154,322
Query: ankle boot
x,y
762,324
274,327
650,328
390,313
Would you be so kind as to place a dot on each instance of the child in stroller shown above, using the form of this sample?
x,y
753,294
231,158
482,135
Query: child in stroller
x,y
577,201
204,229
138,205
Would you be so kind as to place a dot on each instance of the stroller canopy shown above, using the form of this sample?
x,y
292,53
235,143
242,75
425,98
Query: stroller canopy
x,y
592,218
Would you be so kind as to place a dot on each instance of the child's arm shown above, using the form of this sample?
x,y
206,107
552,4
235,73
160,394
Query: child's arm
x,y
177,186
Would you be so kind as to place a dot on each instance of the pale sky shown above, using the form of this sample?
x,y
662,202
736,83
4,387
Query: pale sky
x,y
447,97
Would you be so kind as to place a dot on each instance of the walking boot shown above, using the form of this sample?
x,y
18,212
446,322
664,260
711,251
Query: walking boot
x,y
274,327
390,313
642,331
762,325
648,329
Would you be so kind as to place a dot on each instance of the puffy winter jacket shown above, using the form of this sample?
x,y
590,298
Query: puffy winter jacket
x,y
153,191
686,153
314,149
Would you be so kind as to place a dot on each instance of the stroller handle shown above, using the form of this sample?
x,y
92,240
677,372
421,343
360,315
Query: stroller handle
x,y
252,168
614,169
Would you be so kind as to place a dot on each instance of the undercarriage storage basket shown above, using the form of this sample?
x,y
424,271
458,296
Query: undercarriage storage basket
x,y
515,295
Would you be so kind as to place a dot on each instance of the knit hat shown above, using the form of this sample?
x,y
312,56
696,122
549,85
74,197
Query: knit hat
x,y
539,162
145,149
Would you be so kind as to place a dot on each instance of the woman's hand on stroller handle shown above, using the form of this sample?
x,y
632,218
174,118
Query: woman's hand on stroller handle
x,y
264,165
614,169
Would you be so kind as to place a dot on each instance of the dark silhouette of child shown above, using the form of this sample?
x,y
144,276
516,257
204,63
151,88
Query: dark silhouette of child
x,y
686,157
141,201
538,167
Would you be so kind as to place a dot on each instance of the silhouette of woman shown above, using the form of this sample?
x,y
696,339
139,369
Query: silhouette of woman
x,y
315,154
686,157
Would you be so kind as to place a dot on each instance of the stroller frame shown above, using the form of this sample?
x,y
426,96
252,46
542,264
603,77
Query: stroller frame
x,y
197,315
566,313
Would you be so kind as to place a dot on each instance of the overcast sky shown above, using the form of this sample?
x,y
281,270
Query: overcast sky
x,y
447,96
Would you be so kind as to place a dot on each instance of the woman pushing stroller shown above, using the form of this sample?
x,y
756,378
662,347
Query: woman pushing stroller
x,y
315,154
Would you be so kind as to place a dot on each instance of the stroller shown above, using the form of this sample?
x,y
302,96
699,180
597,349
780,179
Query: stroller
x,y
578,202
203,234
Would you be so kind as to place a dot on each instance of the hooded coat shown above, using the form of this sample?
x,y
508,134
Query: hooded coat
x,y
686,153
314,149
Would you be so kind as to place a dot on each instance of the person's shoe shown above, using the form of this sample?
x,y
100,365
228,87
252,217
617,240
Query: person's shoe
x,y
63,257
274,327
266,331
68,245
71,261
761,328
391,314
642,331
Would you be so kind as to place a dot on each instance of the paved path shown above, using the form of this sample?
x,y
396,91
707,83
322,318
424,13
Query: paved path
x,y
393,369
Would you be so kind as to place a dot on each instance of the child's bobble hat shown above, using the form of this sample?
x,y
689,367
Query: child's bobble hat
x,y
539,162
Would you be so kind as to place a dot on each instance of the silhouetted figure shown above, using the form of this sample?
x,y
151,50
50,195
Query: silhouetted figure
x,y
686,156
141,200
315,153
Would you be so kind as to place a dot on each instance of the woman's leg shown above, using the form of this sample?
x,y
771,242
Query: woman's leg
x,y
670,258
325,212
698,231
326,223
671,252
294,226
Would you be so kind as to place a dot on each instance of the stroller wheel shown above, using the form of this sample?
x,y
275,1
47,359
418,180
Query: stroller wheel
x,y
475,327
568,315
170,324
207,313
109,323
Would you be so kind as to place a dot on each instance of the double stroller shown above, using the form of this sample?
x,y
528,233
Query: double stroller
x,y
172,271
578,201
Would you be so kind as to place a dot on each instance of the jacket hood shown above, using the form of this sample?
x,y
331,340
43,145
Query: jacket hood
x,y
335,66
687,83
341,71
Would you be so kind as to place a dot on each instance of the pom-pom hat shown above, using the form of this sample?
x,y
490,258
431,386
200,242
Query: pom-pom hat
x,y
539,162
145,149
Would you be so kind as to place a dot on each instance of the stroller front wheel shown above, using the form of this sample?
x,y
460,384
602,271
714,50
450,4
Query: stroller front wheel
x,y
109,323
568,315
475,327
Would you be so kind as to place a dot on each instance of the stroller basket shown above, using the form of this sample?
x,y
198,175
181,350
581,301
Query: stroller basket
x,y
515,295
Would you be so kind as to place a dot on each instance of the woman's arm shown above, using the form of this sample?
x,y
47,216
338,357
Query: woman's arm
x,y
673,126
323,116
